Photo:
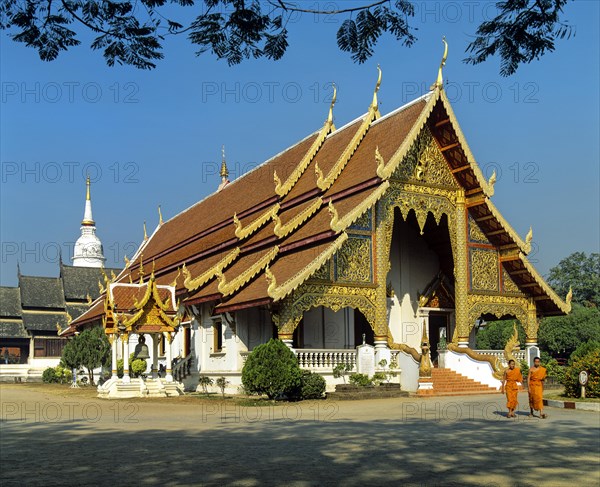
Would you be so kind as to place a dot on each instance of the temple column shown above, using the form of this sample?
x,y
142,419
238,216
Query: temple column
x,y
169,354
461,276
125,338
113,346
155,339
287,338
531,330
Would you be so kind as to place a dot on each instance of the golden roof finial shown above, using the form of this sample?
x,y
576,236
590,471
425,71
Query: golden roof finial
x,y
375,103
333,99
529,236
439,83
224,171
145,233
126,260
87,191
569,296
160,218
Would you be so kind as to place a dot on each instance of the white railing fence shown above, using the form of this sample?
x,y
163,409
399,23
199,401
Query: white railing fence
x,y
325,359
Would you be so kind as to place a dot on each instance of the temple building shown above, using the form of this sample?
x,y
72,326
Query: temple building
x,y
32,314
382,231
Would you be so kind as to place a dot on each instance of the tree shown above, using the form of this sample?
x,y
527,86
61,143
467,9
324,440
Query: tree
x,y
89,349
561,335
581,273
132,32
271,369
495,334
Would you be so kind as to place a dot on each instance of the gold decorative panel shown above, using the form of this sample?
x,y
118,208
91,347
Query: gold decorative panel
x,y
484,270
353,260
323,273
425,163
475,233
364,222
508,284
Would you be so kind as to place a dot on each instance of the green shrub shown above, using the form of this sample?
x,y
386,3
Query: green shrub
x,y
361,380
271,369
556,371
222,383
584,349
524,369
591,364
204,382
379,378
340,370
49,375
137,367
313,385
63,375
120,367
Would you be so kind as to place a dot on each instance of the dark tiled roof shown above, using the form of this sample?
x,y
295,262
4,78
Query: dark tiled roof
x,y
10,302
44,321
12,329
76,310
78,282
41,292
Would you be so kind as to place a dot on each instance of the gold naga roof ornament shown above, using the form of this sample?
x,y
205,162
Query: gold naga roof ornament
x,y
439,83
491,183
145,232
529,237
160,217
141,271
333,100
569,296
375,103
126,260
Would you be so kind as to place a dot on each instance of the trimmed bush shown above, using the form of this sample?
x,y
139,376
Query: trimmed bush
x,y
271,369
49,376
591,364
137,367
313,385
361,380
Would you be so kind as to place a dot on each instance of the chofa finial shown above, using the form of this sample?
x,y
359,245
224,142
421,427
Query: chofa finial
x,y
333,99
375,103
439,83
145,232
160,218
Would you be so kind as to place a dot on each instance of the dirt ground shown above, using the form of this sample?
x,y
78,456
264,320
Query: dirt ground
x,y
52,435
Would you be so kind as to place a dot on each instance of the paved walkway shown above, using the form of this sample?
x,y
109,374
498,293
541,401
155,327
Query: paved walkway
x,y
48,439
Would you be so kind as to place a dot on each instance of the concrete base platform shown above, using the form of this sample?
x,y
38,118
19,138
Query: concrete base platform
x,y
117,389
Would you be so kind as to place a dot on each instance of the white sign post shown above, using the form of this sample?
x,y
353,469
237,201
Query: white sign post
x,y
583,378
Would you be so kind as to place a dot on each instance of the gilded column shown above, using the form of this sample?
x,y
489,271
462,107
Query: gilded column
x,y
125,338
461,284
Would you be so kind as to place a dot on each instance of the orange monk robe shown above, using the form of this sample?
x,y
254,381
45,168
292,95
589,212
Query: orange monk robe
x,y
511,388
536,400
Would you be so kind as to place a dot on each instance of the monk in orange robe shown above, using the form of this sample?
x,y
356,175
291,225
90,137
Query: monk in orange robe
x,y
510,385
535,384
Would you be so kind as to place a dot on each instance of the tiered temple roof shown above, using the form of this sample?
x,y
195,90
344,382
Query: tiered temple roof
x,y
264,234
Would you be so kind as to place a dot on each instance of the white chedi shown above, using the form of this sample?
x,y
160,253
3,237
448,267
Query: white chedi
x,y
88,250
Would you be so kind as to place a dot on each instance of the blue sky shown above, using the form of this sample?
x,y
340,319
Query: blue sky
x,y
154,137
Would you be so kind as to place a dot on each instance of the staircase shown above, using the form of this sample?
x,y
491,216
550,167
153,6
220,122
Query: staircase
x,y
446,382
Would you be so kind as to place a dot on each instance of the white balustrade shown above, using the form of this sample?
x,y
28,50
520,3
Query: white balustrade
x,y
325,359
519,355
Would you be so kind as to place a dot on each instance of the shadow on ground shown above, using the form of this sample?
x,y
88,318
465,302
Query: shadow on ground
x,y
410,452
